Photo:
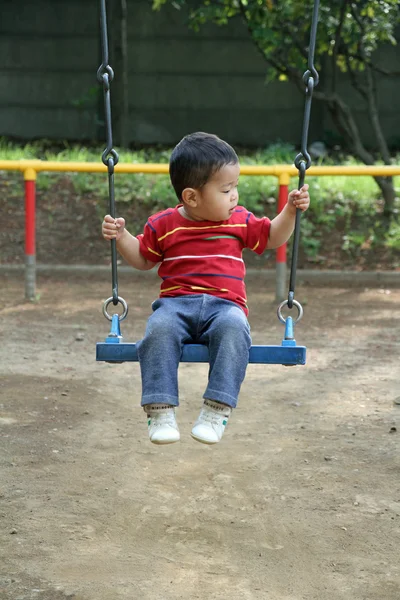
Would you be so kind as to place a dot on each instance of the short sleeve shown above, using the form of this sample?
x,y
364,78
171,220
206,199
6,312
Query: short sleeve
x,y
148,244
257,233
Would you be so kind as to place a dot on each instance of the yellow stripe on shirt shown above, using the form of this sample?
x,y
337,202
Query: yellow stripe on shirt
x,y
199,228
197,287
174,287
153,251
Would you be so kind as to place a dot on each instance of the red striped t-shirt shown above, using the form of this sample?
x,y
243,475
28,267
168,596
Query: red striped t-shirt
x,y
203,257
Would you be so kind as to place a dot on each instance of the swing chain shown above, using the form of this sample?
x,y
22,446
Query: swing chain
x,y
303,159
311,79
110,158
105,75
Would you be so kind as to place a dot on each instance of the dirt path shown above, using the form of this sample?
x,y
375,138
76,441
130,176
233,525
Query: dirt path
x,y
300,501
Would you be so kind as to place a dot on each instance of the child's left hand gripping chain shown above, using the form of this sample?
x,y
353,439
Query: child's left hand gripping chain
x,y
112,228
300,198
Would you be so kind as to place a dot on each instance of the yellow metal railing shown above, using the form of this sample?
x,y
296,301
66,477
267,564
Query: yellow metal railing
x,y
266,170
30,169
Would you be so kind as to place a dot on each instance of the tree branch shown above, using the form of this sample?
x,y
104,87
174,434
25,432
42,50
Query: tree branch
x,y
374,116
371,95
336,46
382,71
275,65
353,78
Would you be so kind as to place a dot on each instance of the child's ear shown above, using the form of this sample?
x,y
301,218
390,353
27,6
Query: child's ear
x,y
189,197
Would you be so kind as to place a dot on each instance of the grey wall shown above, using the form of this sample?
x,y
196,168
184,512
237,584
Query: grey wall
x,y
179,81
49,57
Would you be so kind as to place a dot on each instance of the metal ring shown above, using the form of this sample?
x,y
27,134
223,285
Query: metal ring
x,y
285,303
105,70
311,74
106,304
302,161
107,155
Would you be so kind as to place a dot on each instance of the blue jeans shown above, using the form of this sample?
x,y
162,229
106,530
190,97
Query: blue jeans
x,y
201,319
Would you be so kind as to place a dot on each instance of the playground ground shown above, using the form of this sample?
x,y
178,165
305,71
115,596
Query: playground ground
x,y
300,500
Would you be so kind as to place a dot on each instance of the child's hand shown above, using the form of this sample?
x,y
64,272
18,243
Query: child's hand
x,y
300,198
112,228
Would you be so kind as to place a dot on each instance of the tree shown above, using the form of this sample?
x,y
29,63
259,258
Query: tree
x,y
349,32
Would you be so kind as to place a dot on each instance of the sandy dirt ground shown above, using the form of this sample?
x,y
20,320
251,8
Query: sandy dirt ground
x,y
300,500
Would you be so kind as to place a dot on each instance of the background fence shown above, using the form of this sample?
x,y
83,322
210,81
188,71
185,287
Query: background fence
x,y
178,80
31,168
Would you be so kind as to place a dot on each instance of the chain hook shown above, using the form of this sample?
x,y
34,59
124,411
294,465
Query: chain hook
x,y
105,75
110,161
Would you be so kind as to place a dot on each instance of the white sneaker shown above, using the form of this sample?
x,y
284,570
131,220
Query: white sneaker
x,y
161,423
210,425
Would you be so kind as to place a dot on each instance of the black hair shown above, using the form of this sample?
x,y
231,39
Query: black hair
x,y
196,158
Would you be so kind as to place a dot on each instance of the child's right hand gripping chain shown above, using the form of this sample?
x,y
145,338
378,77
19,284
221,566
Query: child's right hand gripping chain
x,y
112,228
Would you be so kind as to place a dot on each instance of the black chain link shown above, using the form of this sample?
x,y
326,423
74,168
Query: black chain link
x,y
110,158
303,159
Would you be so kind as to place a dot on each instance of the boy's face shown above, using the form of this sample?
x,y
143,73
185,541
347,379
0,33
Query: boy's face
x,y
218,198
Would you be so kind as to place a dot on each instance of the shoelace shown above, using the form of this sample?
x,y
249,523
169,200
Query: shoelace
x,y
212,417
163,418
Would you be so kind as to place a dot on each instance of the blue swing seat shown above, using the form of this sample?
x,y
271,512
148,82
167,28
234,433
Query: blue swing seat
x,y
115,350
198,353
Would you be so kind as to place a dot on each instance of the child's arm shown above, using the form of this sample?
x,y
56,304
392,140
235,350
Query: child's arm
x,y
127,244
283,224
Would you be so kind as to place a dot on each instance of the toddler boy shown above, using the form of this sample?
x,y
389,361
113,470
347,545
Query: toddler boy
x,y
198,246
